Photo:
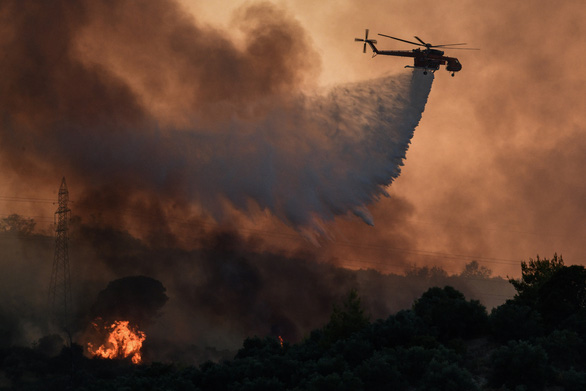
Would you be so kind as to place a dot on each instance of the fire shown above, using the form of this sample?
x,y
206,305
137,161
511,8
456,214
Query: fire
x,y
123,341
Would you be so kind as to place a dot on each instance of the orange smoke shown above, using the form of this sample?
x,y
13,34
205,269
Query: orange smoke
x,y
123,341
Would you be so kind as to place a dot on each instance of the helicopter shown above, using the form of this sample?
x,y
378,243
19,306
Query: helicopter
x,y
428,59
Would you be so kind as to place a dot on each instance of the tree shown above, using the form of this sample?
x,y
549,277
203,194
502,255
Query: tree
x,y
520,364
447,376
449,315
534,274
17,224
565,349
400,329
257,347
474,270
346,320
134,298
573,380
514,321
562,298
380,372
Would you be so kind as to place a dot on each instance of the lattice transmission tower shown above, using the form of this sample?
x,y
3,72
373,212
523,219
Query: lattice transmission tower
x,y
60,288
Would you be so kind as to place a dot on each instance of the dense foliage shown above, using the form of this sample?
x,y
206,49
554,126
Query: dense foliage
x,y
535,341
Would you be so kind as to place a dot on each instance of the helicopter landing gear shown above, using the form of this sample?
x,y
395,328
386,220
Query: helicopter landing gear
x,y
453,74
425,72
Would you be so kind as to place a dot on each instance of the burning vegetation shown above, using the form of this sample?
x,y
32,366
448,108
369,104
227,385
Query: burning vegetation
x,y
121,311
122,341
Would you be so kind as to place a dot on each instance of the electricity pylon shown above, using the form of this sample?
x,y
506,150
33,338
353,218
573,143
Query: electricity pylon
x,y
60,288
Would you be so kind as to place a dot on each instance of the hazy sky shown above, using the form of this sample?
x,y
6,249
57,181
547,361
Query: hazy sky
x,y
495,171
497,166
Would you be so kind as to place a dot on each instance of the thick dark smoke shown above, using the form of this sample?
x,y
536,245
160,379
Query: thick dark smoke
x,y
157,119
224,291
231,288
137,299
227,289
81,90
146,109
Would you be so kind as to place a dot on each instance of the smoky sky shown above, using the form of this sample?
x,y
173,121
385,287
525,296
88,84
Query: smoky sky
x,y
146,108
133,100
495,168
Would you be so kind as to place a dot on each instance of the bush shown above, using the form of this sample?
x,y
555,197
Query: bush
x,y
261,384
515,321
334,382
520,364
445,376
413,363
354,349
257,347
573,380
565,349
380,372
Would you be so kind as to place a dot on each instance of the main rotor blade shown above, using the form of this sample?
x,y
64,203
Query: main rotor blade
x,y
421,40
358,39
462,49
402,40
448,44
366,35
364,48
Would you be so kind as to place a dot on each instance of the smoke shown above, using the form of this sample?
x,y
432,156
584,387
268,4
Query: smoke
x,y
498,160
136,299
154,117
147,109
231,288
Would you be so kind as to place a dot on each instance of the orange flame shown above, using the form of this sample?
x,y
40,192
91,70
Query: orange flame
x,y
281,340
122,342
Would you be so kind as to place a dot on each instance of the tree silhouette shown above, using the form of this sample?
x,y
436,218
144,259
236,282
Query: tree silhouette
x,y
562,298
17,224
535,273
520,364
449,315
346,320
513,321
474,270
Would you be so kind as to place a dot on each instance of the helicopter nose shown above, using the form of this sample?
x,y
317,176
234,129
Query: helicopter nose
x,y
454,66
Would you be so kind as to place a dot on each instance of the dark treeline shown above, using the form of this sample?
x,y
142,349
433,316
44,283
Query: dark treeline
x,y
535,341
225,288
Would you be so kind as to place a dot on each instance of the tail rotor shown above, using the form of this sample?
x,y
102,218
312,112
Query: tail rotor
x,y
365,40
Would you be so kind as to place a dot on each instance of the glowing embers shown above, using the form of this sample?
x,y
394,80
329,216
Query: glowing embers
x,y
122,341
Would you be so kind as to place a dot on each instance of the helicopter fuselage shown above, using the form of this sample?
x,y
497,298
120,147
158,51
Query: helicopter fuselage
x,y
427,59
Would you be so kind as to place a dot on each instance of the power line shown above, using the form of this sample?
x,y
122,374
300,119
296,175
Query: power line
x,y
299,237
483,228
434,254
27,199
